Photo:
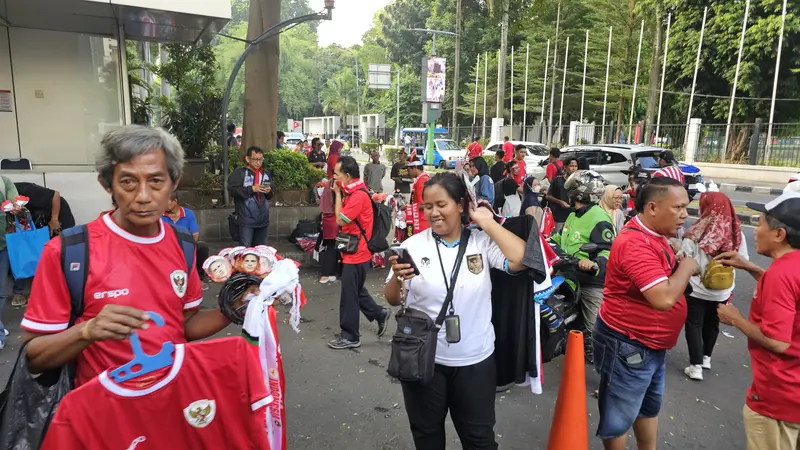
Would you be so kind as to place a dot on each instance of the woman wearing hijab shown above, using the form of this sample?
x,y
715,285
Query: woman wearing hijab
x,y
479,175
612,204
333,156
530,195
328,255
717,231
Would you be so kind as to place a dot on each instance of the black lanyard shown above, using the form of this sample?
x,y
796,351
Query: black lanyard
x,y
452,310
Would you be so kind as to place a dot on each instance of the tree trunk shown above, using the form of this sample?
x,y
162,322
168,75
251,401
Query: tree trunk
x,y
501,73
655,77
628,64
261,79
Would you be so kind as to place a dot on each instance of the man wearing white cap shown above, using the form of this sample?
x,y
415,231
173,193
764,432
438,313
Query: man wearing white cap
x,y
772,409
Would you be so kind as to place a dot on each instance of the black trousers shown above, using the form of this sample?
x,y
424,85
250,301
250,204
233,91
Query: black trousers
x,y
329,265
702,328
467,392
201,256
355,298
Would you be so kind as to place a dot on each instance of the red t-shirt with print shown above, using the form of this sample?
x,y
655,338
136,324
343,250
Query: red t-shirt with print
x,y
523,171
775,391
357,206
416,198
640,260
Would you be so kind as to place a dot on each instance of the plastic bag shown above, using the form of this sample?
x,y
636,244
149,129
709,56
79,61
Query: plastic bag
x,y
25,247
27,405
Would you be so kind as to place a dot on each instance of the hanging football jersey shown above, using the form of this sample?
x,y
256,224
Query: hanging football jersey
x,y
212,397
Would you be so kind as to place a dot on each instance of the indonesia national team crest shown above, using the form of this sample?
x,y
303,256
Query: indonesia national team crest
x,y
178,279
199,414
475,263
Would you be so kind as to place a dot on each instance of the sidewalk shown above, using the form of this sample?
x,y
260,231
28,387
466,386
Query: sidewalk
x,y
736,185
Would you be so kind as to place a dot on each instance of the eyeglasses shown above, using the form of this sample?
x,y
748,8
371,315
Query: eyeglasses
x,y
256,160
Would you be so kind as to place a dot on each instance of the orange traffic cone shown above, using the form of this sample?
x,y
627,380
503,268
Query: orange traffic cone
x,y
570,428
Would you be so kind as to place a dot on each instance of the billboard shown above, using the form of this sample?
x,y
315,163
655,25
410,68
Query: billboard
x,y
433,72
380,76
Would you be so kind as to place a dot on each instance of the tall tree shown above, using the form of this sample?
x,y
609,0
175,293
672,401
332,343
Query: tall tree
x,y
261,78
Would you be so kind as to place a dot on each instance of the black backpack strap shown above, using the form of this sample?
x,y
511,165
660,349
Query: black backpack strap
x,y
187,244
372,203
75,265
462,250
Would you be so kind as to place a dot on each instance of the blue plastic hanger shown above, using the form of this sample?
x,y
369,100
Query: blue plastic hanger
x,y
142,363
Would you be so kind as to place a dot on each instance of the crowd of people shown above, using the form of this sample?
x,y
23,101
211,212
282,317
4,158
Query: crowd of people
x,y
643,281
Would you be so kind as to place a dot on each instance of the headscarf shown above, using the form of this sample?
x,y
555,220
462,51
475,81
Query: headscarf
x,y
718,230
607,202
333,157
479,163
529,198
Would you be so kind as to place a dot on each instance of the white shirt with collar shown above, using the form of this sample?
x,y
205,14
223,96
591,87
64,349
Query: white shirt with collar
x,y
472,297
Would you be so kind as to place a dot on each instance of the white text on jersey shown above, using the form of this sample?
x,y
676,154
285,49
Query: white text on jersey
x,y
111,294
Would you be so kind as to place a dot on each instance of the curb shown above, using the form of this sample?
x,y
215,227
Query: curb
x,y
746,219
727,187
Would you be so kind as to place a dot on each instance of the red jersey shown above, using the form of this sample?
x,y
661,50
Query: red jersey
x,y
552,170
775,392
474,150
523,172
508,151
416,199
357,205
639,261
673,172
148,273
213,397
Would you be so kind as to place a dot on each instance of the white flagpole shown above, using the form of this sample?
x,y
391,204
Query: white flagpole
x,y
605,93
663,74
511,119
544,88
485,79
775,87
735,79
696,66
499,101
525,101
475,102
553,84
583,87
563,86
635,85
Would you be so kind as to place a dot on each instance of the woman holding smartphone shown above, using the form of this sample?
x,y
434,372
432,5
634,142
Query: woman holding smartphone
x,y
465,373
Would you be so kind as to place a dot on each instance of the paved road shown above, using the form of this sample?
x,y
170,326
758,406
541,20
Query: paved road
x,y
344,400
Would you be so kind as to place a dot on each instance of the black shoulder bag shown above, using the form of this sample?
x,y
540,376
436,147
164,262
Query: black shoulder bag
x,y
414,343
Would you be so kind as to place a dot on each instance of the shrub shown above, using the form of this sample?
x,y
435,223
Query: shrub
x,y
391,153
490,159
290,170
368,147
235,159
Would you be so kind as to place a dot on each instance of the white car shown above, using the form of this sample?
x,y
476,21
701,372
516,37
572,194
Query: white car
x,y
447,154
794,184
292,139
537,152
609,160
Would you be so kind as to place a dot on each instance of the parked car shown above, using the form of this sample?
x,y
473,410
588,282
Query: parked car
x,y
537,153
794,184
350,139
292,139
447,153
609,160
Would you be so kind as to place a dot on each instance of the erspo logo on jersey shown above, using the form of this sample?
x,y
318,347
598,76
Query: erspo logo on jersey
x,y
116,293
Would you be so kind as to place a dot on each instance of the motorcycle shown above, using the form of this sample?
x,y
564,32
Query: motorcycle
x,y
561,312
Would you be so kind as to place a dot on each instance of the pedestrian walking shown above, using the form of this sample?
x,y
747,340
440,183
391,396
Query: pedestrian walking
x,y
353,208
374,171
772,409
329,258
464,378
641,316
251,189
717,231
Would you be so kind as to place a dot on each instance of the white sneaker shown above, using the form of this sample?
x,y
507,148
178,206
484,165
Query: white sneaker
x,y
695,372
5,330
331,279
324,280
706,363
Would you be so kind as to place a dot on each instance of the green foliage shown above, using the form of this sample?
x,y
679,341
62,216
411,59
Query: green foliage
x,y
490,160
368,147
290,170
192,114
391,153
235,159
209,182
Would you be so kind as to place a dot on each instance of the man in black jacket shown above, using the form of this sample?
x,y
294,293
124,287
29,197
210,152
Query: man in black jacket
x,y
251,188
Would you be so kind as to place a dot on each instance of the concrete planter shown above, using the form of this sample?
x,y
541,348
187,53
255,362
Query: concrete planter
x,y
213,223
193,171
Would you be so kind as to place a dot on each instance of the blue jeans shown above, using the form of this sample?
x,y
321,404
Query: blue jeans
x,y
631,380
250,237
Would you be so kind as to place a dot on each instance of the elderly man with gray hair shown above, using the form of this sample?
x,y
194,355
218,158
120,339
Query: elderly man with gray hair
x,y
134,263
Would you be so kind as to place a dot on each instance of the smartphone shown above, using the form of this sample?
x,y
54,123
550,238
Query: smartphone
x,y
402,257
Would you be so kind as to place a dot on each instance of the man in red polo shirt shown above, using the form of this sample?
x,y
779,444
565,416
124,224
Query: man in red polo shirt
x,y
642,315
772,408
354,215
508,149
474,150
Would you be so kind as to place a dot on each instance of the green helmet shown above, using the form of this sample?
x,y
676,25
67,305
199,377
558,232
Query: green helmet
x,y
585,186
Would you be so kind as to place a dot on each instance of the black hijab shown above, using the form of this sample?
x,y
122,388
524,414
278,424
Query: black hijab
x,y
479,163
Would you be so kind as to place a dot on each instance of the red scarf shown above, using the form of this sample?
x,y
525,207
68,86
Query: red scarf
x,y
356,185
718,230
